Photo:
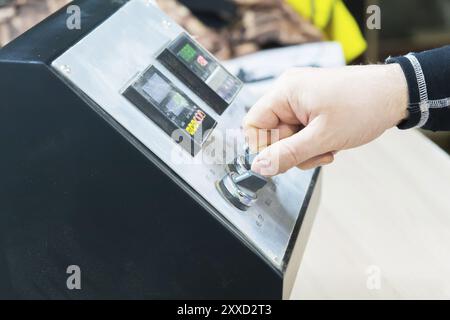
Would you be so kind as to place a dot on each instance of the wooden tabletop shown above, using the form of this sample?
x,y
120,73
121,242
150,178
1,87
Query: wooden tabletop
x,y
383,226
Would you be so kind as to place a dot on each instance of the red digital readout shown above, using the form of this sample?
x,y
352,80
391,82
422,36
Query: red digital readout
x,y
202,61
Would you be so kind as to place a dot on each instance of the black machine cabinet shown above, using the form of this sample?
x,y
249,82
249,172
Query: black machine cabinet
x,y
85,180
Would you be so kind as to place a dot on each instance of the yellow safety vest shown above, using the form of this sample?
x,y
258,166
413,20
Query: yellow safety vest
x,y
337,23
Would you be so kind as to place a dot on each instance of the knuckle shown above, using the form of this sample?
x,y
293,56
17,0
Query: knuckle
x,y
246,123
303,166
328,159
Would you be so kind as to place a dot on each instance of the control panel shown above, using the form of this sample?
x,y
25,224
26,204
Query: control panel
x,y
171,109
157,85
201,72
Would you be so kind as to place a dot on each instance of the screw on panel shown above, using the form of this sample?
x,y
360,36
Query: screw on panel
x,y
260,221
65,68
166,24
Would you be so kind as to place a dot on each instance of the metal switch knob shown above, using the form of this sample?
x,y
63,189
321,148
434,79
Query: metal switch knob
x,y
250,181
241,185
241,189
242,163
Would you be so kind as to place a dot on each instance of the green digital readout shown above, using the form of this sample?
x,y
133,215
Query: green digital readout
x,y
177,104
188,53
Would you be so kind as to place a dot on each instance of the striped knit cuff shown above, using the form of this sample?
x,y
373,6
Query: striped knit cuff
x,y
418,94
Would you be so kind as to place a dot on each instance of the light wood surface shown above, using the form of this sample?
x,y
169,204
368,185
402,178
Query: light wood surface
x,y
383,226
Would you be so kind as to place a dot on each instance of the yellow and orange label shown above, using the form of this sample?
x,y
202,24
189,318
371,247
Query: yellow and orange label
x,y
196,122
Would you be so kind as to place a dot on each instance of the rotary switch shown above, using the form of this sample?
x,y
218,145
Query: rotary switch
x,y
241,185
242,163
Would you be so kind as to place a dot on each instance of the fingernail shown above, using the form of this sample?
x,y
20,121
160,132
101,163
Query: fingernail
x,y
260,165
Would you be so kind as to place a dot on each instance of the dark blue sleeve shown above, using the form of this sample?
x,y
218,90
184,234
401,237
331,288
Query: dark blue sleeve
x,y
428,77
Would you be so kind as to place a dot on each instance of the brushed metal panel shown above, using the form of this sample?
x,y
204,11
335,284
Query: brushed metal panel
x,y
105,62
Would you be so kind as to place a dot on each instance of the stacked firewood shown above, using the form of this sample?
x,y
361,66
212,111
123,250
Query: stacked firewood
x,y
258,24
17,16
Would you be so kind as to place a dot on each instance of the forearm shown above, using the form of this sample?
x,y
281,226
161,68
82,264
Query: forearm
x,y
428,77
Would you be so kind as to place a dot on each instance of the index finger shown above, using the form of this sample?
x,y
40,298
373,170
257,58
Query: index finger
x,y
270,111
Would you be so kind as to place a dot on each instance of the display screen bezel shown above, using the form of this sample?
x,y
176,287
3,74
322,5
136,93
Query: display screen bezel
x,y
192,130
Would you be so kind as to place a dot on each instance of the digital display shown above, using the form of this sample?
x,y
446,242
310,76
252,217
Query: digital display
x,y
177,104
193,57
187,53
157,88
197,60
165,104
225,85
201,72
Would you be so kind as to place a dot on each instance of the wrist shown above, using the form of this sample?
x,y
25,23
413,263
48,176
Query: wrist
x,y
400,97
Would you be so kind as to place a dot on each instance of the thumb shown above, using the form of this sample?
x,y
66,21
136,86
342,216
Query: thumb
x,y
292,151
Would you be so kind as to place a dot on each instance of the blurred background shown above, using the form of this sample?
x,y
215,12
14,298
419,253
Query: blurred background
x,y
232,28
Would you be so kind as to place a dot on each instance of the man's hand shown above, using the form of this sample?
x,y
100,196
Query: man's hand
x,y
318,112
